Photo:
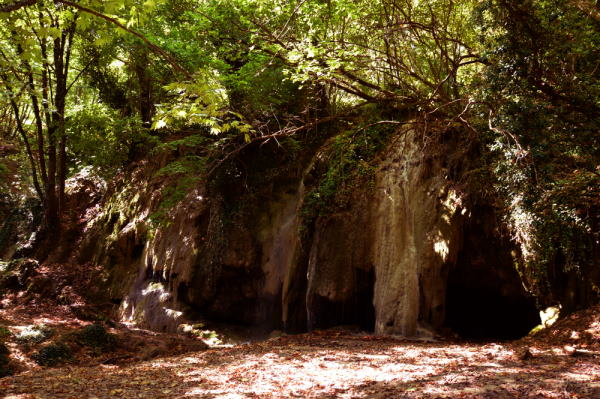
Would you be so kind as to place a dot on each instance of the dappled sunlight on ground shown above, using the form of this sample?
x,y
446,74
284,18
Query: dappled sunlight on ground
x,y
322,365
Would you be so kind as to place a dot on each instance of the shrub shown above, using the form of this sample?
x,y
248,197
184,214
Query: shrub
x,y
96,336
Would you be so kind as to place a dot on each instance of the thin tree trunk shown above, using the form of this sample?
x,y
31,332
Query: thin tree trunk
x,y
39,127
145,85
23,133
62,73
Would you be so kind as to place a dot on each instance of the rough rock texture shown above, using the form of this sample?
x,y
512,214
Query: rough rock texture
x,y
340,272
119,237
416,239
382,262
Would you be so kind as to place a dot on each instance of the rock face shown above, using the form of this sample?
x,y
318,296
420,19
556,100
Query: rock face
x,y
382,262
417,226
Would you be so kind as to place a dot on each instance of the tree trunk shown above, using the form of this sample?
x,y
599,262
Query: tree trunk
x,y
145,85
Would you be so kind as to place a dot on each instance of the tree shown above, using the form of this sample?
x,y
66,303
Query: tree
x,y
542,94
41,41
36,60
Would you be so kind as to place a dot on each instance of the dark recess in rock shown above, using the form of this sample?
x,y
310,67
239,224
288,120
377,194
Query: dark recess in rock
x,y
358,310
485,298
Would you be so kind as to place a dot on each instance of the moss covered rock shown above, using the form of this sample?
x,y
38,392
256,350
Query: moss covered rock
x,y
53,354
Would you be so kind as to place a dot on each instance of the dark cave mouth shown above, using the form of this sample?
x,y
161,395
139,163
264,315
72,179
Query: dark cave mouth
x,y
485,297
486,313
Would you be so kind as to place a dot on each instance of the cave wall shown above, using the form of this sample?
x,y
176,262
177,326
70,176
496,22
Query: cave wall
x,y
381,263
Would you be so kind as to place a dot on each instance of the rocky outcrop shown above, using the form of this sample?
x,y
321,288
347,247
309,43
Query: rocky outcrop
x,y
384,262
381,262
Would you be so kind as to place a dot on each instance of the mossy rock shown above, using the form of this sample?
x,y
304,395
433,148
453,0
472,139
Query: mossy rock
x,y
53,354
96,336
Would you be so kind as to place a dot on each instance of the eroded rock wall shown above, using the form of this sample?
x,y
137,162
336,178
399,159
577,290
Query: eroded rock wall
x,y
380,262
417,232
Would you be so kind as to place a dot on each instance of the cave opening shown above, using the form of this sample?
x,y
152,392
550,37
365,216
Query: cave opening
x,y
478,309
485,299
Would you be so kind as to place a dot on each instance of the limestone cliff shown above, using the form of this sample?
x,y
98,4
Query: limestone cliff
x,y
382,261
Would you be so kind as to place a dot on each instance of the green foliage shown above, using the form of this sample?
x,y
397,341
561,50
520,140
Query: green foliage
x,y
394,49
171,196
101,138
349,167
181,175
199,103
545,147
52,354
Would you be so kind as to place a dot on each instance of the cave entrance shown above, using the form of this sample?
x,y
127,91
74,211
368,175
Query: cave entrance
x,y
478,309
485,299
352,311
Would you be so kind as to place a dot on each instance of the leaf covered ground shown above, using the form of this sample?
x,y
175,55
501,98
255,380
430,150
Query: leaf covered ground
x,y
341,364
562,361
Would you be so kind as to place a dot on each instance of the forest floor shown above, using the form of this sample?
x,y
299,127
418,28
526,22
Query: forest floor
x,y
559,362
562,361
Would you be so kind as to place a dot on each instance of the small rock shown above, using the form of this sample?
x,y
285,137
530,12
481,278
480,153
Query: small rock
x,y
570,350
524,354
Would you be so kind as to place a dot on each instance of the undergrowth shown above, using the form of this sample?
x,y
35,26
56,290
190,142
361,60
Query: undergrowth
x,y
52,354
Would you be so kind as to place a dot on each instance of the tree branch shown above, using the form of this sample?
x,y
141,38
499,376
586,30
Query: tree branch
x,y
14,6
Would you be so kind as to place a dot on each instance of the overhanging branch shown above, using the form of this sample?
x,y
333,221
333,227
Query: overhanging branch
x,y
168,57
